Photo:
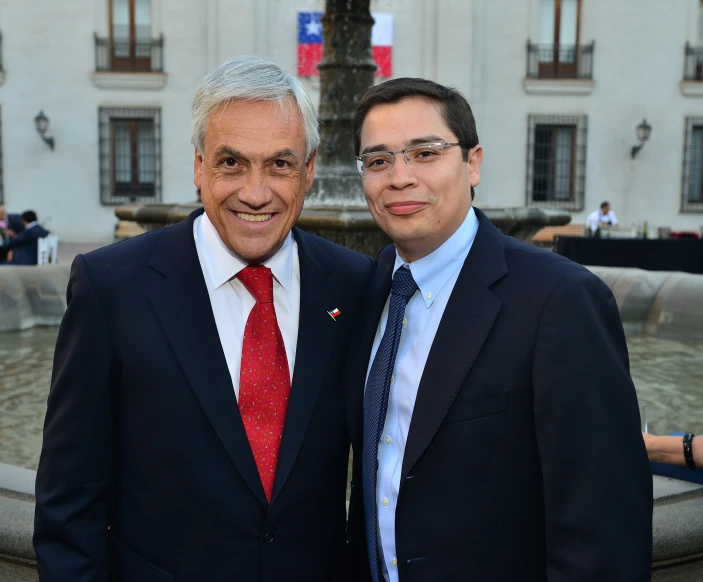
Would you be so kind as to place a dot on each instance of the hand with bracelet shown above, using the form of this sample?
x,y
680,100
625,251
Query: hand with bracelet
x,y
675,450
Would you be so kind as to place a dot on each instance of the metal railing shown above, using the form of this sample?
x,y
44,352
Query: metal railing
x,y
693,63
560,61
129,55
556,161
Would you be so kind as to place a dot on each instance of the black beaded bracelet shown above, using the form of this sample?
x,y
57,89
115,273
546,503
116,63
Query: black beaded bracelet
x,y
688,450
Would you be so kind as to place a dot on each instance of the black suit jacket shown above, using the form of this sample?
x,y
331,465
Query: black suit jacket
x,y
143,434
524,458
25,245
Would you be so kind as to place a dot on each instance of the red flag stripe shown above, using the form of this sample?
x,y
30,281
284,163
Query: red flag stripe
x,y
383,55
308,57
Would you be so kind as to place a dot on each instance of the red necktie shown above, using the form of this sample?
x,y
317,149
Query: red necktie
x,y
264,378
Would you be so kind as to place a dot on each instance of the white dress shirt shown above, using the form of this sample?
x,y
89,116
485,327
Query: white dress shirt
x,y
435,276
230,300
596,217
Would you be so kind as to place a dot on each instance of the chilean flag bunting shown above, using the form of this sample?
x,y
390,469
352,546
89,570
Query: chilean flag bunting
x,y
310,43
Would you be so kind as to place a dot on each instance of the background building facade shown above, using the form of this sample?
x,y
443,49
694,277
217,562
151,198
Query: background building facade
x,y
558,88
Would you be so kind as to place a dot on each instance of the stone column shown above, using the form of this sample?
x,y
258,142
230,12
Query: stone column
x,y
346,73
335,207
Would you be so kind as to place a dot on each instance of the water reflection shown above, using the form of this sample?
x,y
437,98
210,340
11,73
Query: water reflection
x,y
668,376
25,371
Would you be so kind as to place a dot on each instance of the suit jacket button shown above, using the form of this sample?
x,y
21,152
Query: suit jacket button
x,y
268,537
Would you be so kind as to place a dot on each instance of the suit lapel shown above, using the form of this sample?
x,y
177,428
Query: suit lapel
x,y
465,325
316,335
182,304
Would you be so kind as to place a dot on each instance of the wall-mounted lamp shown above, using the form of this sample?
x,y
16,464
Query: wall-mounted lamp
x,y
42,123
643,132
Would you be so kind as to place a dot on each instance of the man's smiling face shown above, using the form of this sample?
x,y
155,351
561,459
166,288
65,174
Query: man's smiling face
x,y
418,209
253,175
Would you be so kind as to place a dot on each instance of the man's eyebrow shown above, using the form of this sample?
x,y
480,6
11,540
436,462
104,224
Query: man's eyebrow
x,y
226,150
375,148
409,143
285,154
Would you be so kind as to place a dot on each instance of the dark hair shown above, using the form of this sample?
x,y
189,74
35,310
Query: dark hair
x,y
29,216
603,204
453,106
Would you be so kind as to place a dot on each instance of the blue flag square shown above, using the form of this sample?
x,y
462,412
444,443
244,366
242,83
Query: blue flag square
x,y
309,28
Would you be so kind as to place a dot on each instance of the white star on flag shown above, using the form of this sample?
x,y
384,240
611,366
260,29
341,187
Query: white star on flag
x,y
313,28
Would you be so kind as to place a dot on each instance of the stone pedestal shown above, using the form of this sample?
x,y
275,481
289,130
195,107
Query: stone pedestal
x,y
335,210
32,295
677,525
658,303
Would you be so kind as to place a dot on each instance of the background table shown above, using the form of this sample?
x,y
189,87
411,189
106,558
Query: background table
x,y
652,254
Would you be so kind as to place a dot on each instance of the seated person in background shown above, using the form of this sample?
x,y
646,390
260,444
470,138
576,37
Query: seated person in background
x,y
675,450
24,244
604,216
15,224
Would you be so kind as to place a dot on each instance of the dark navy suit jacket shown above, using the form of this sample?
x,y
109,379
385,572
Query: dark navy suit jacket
x,y
24,245
524,458
146,474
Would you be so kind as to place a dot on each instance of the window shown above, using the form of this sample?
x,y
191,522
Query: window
x,y
130,44
130,155
559,38
692,187
693,64
556,161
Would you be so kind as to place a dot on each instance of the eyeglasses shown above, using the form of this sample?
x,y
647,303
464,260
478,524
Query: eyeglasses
x,y
426,156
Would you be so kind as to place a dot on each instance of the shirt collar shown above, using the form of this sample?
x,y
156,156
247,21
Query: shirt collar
x,y
222,265
432,272
31,224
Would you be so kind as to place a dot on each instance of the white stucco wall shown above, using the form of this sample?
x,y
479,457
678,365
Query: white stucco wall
x,y
49,57
477,46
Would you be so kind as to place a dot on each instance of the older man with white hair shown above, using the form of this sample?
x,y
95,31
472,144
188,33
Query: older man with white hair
x,y
196,425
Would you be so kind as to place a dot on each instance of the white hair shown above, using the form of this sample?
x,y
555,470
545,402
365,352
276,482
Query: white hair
x,y
251,78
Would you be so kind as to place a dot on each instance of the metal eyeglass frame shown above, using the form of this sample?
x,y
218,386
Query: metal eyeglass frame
x,y
360,159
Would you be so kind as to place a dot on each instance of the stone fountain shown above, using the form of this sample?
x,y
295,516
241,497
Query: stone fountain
x,y
335,207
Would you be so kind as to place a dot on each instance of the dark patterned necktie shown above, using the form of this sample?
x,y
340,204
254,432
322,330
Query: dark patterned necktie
x,y
378,388
264,377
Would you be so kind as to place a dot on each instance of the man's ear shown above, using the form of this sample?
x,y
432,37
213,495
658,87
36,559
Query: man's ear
x,y
198,169
310,165
474,161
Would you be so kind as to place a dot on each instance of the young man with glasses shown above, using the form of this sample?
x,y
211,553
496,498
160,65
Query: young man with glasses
x,y
484,363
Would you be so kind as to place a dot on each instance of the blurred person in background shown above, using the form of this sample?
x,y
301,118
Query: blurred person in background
x,y
23,246
603,217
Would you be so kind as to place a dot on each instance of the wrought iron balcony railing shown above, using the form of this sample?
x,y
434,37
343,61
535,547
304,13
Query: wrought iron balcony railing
x,y
129,55
693,63
560,61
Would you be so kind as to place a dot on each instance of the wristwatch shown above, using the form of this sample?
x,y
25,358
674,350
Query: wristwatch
x,y
688,450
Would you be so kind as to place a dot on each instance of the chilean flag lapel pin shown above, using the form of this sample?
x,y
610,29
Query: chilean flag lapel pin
x,y
334,313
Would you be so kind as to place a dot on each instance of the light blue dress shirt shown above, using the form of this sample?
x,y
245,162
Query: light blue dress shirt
x,y
435,276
